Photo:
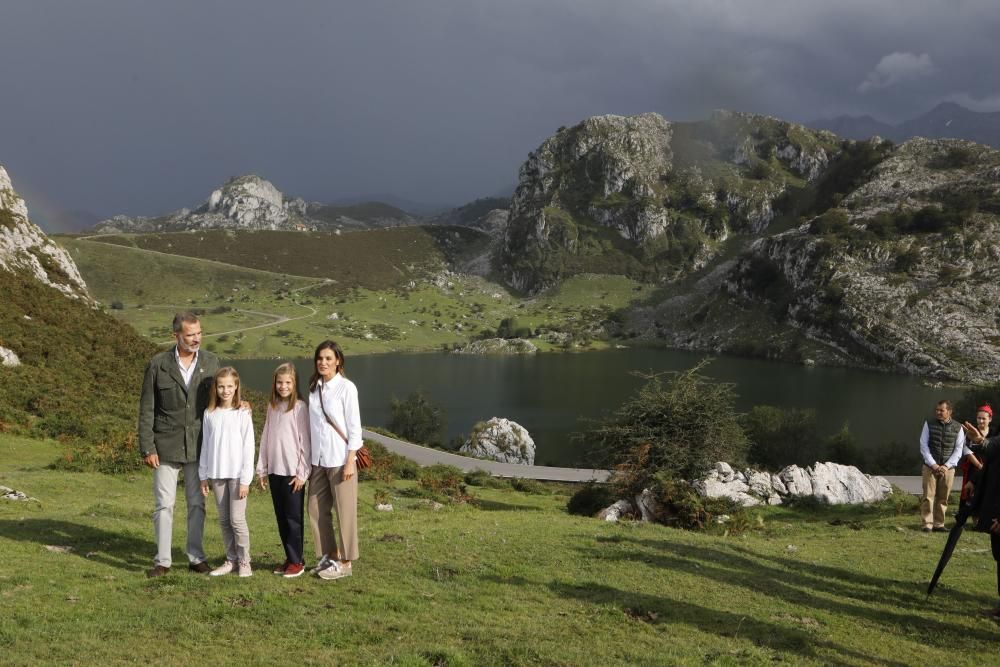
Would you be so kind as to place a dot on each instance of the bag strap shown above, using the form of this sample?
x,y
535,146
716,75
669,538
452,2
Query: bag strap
x,y
328,420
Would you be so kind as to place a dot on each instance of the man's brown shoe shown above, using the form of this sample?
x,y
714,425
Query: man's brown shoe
x,y
201,568
157,571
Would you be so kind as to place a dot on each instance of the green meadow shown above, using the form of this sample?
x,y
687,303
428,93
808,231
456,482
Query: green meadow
x,y
388,290
507,579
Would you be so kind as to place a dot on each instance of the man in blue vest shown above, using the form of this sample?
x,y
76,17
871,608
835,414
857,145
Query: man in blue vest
x,y
942,442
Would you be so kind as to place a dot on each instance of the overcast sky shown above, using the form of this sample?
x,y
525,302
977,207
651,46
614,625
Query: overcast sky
x,y
145,106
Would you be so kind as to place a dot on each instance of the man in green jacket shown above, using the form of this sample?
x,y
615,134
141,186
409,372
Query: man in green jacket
x,y
174,396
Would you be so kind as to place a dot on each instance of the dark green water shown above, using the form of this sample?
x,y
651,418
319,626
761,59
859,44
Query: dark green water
x,y
551,395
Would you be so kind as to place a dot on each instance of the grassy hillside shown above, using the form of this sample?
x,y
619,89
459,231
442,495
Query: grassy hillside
x,y
377,259
80,369
254,313
509,580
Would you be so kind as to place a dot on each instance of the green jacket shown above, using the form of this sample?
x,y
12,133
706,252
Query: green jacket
x,y
169,412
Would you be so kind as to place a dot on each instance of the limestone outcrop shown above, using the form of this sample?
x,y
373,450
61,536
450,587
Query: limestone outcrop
x,y
25,248
501,440
830,483
653,199
250,202
498,346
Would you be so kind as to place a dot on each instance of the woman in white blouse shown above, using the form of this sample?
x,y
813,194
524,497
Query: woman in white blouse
x,y
335,427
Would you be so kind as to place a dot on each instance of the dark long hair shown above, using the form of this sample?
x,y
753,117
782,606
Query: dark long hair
x,y
337,352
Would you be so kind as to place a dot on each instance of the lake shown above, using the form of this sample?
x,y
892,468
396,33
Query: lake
x,y
552,395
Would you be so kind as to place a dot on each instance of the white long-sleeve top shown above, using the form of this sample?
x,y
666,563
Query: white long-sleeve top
x,y
340,397
226,445
284,442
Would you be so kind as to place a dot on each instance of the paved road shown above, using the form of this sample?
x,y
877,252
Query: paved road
x,y
426,456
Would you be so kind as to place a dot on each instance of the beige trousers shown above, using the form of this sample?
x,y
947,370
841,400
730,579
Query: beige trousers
x,y
232,519
326,490
934,502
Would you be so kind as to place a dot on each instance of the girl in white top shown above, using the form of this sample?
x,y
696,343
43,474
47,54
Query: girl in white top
x,y
335,429
283,463
226,464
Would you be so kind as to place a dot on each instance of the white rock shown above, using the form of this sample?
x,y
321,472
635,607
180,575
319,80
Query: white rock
x,y
24,247
649,507
383,507
621,509
501,440
9,357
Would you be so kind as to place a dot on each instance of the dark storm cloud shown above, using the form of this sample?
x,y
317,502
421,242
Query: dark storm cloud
x,y
141,107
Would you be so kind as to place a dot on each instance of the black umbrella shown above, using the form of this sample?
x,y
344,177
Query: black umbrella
x,y
964,512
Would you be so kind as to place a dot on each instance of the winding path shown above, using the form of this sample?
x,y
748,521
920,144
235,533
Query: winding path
x,y
427,456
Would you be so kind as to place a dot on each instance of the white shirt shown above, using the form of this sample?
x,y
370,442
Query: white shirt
x,y
226,445
340,397
186,373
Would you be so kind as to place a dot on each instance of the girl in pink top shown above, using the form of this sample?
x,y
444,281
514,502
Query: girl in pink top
x,y
284,463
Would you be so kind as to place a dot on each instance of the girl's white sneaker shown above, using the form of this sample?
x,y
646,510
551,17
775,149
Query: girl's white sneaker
x,y
225,568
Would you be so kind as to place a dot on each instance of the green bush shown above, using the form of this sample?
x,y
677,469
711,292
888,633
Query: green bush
x,y
417,419
955,157
483,479
780,437
680,428
590,499
843,447
387,466
442,483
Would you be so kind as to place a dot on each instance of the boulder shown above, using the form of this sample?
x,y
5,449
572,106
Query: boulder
x,y
620,510
838,484
9,357
501,440
830,483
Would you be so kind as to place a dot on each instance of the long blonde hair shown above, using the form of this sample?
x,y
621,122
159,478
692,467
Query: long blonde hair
x,y
213,395
295,397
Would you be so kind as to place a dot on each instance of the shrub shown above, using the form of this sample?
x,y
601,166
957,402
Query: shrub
x,y
781,437
387,466
590,499
485,480
955,157
843,447
417,419
680,506
679,428
526,485
442,483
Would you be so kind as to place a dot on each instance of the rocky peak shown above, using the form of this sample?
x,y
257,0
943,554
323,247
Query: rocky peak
x,y
650,198
250,201
24,247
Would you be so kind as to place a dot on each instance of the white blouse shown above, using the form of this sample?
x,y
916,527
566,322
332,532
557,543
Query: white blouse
x,y
340,397
226,445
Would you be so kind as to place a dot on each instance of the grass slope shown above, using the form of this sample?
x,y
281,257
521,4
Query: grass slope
x,y
375,259
80,369
292,313
512,580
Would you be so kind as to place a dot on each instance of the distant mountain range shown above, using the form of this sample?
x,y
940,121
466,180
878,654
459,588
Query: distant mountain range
x,y
947,120
252,203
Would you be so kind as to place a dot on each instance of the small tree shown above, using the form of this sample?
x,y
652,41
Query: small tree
x,y
677,428
417,418
781,437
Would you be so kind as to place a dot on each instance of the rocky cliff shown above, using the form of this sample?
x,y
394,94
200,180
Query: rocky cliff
x,y
649,198
772,240
24,248
252,203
